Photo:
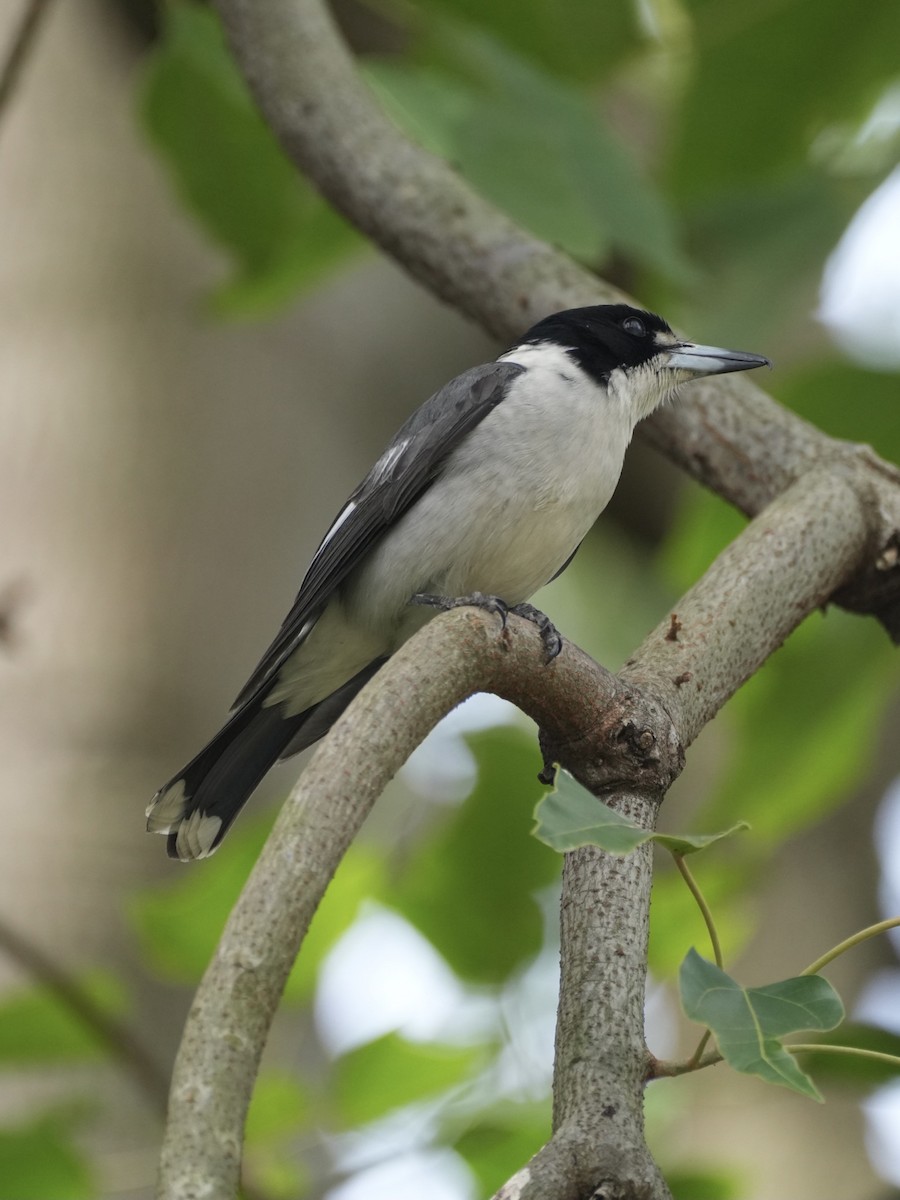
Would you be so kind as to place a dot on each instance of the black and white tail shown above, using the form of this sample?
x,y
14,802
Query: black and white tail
x,y
196,808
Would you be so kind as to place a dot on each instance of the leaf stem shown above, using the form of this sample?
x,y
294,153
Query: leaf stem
x,y
816,1048
665,1070
848,944
694,1060
694,889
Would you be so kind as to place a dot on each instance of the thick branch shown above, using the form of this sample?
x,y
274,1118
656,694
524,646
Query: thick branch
x,y
229,1021
785,564
613,733
726,432
619,741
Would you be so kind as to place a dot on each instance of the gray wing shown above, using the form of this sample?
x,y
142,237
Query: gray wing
x,y
407,468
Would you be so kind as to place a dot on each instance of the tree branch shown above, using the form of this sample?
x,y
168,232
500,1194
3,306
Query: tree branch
x,y
116,1037
832,522
784,565
22,44
726,431
620,741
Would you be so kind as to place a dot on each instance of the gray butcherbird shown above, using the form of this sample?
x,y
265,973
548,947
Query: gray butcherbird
x,y
483,496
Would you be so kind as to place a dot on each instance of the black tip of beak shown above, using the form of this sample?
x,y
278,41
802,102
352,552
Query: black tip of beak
x,y
739,360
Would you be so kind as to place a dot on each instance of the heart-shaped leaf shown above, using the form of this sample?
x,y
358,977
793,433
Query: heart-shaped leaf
x,y
570,817
748,1023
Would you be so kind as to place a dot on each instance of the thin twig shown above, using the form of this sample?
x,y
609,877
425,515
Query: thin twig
x,y
848,943
694,888
891,1060
109,1032
667,1070
23,42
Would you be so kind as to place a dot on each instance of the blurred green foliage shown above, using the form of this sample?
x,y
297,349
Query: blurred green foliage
x,y
279,1108
39,1161
483,108
470,888
497,1141
697,1184
178,927
231,173
391,1072
754,103
36,1027
690,148
854,1070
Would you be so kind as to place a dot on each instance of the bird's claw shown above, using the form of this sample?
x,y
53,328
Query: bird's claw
x,y
550,636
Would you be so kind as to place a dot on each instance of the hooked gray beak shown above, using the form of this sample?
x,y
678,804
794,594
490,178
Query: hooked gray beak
x,y
712,360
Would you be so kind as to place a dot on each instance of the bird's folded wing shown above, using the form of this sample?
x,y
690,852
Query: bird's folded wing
x,y
407,468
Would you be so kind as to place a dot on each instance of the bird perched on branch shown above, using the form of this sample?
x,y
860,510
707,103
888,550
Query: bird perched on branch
x,y
482,497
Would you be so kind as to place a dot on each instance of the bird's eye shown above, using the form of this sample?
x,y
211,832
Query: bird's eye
x,y
633,326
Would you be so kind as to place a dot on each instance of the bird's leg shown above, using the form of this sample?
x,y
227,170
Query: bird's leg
x,y
550,759
492,604
550,637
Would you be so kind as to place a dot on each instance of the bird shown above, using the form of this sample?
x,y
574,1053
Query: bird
x,y
483,496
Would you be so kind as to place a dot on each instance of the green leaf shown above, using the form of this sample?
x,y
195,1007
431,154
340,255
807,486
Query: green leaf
x,y
179,923
391,1072
470,890
570,817
490,112
38,1161
735,123
573,38
38,1027
748,1023
230,171
848,402
690,843
774,236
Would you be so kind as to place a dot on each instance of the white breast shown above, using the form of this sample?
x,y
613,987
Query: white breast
x,y
515,499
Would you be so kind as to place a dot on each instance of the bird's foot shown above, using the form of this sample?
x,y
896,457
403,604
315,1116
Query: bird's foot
x,y
550,637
